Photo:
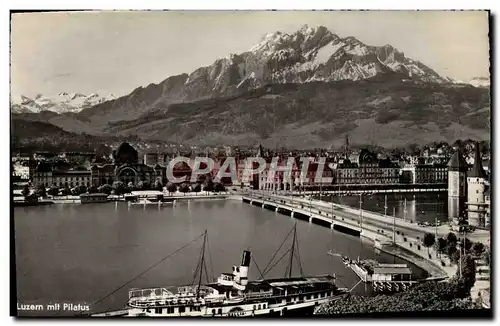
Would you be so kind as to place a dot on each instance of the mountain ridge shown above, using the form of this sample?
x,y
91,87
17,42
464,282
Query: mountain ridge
x,y
309,54
305,71
62,103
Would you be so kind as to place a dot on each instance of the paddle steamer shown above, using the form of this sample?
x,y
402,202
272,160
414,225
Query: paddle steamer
x,y
233,295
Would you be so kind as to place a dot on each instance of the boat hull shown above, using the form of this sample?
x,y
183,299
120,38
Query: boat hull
x,y
292,309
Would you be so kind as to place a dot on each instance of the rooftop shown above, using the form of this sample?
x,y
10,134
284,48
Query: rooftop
x,y
392,270
457,161
477,170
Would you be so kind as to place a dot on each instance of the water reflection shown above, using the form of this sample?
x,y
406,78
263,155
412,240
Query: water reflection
x,y
80,253
412,207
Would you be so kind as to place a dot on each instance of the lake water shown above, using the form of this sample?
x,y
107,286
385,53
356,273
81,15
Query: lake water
x,y
71,253
419,207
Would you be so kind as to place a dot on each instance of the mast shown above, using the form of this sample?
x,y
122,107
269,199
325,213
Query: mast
x,y
201,263
292,251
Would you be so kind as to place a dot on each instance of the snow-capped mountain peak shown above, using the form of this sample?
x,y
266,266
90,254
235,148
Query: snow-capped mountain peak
x,y
61,103
317,54
480,82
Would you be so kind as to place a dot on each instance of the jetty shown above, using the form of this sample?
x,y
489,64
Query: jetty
x,y
384,277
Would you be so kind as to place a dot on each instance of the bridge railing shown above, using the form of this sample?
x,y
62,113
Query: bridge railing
x,y
365,213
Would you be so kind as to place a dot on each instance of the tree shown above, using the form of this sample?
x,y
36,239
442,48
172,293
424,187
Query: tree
x,y
53,191
66,191
451,238
413,149
32,199
171,187
428,240
93,189
41,191
468,268
487,256
184,188
219,187
440,245
26,191
201,178
105,189
158,185
119,188
467,244
455,256
78,190
197,188
208,186
428,296
478,248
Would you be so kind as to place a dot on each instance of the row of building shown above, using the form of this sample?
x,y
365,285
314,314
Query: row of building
x,y
125,166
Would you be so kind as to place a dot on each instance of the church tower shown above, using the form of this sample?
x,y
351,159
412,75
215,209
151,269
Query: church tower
x,y
457,169
476,178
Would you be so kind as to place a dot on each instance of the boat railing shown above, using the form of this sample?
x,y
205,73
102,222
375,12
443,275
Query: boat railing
x,y
185,295
149,293
259,295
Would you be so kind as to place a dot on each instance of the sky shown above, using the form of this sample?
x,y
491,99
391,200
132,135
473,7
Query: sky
x,y
116,52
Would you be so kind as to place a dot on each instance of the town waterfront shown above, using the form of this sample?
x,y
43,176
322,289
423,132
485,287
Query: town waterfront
x,y
80,253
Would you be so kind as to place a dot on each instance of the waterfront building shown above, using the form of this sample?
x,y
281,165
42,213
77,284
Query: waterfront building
x,y
476,187
21,167
60,175
457,185
240,170
431,173
226,180
154,158
151,159
125,168
327,176
487,200
280,180
369,170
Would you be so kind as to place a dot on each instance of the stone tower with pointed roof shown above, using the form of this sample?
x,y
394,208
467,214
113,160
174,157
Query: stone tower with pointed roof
x,y
476,178
457,185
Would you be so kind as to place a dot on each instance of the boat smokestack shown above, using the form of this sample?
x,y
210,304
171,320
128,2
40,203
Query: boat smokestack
x,y
241,272
245,264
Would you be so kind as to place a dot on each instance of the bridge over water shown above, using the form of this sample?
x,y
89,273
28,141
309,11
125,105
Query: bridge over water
x,y
337,216
381,229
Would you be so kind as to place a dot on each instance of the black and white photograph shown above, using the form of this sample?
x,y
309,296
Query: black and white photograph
x,y
218,164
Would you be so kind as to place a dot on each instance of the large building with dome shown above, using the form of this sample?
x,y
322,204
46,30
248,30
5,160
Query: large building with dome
x,y
126,168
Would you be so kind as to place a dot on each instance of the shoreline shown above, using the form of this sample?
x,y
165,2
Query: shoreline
x,y
432,270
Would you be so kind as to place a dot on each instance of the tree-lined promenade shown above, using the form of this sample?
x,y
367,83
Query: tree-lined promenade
x,y
119,188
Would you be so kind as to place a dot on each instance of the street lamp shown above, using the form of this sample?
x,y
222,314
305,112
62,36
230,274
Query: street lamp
x,y
405,211
360,212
